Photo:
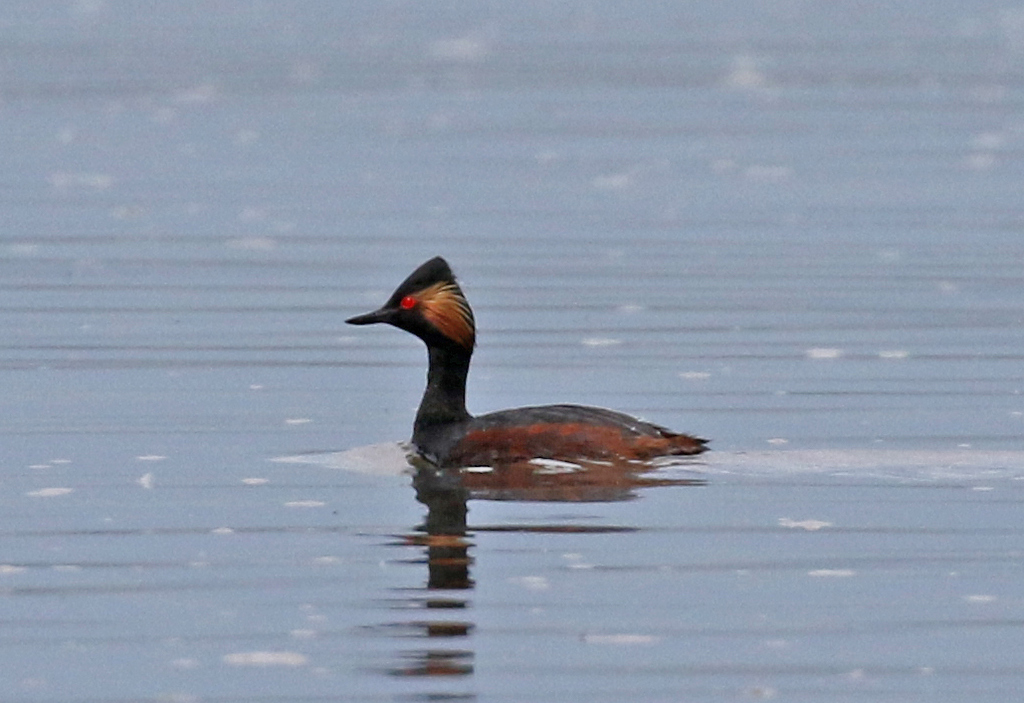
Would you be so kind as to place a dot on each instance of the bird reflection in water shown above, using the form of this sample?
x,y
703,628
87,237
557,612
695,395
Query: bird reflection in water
x,y
443,534
446,537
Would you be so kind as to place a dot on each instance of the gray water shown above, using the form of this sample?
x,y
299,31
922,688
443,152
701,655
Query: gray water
x,y
793,228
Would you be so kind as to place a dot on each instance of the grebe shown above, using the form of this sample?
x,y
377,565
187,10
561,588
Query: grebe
x,y
430,305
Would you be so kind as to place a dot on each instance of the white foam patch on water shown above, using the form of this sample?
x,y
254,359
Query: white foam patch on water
x,y
469,48
387,459
252,243
921,464
695,375
823,353
614,181
768,173
980,598
64,180
624,639
50,492
532,583
184,663
265,659
809,525
576,561
746,74
958,463
832,573
305,504
600,342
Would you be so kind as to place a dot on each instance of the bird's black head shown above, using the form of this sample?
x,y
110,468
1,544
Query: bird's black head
x,y
430,305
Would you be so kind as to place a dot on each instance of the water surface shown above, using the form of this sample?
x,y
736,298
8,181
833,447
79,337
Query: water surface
x,y
794,230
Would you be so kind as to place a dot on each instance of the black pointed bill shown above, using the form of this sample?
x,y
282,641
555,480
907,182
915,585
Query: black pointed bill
x,y
370,318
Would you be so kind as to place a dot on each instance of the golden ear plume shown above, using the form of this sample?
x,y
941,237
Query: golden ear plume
x,y
444,306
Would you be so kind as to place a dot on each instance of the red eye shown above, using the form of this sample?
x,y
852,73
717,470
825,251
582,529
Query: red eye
x,y
408,303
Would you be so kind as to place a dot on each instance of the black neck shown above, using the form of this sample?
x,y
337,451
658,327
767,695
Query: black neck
x,y
444,401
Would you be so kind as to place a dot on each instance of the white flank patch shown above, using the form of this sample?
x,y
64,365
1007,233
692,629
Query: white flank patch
x,y
553,466
146,481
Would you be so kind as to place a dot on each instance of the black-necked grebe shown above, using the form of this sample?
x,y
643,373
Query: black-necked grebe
x,y
430,305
